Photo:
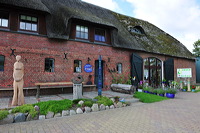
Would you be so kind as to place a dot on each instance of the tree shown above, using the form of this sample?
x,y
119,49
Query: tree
x,y
196,50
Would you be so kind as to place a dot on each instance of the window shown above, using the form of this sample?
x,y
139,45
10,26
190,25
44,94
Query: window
x,y
119,67
49,65
2,59
99,35
137,29
77,66
81,32
28,23
4,16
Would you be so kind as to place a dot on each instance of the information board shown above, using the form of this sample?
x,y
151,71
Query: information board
x,y
184,72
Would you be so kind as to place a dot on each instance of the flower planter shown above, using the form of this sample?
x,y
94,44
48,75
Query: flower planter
x,y
193,90
146,92
184,90
169,95
162,95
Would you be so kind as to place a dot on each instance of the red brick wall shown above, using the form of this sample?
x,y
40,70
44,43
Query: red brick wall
x,y
34,50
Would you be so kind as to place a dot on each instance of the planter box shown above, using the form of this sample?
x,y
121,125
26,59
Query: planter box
x,y
123,88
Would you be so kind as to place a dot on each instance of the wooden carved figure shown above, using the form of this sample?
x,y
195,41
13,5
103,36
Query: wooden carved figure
x,y
18,73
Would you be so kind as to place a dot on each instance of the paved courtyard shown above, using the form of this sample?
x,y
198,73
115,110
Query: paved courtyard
x,y
179,115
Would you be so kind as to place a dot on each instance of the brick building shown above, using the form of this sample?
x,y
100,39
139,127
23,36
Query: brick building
x,y
57,38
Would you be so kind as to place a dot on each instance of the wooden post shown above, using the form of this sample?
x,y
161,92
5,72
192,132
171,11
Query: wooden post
x,y
38,91
188,83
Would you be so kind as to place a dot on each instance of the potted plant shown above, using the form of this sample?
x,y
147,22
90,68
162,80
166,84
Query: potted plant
x,y
164,81
161,92
184,88
155,91
140,87
170,93
146,89
193,88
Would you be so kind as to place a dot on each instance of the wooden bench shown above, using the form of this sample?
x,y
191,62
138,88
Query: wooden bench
x,y
70,84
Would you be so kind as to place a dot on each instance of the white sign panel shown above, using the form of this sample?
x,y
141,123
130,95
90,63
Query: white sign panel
x,y
184,72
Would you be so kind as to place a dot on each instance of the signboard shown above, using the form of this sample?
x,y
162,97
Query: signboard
x,y
88,68
184,72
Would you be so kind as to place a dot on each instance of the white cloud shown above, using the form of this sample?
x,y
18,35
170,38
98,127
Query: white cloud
x,y
179,18
109,4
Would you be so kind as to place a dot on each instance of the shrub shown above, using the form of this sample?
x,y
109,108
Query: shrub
x,y
26,108
104,100
3,114
54,106
88,103
148,98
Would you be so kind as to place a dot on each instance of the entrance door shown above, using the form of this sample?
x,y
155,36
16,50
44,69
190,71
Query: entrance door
x,y
153,71
97,72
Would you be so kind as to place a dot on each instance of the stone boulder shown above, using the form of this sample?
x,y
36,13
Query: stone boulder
x,y
79,111
95,107
102,107
49,115
119,104
72,112
65,113
87,109
19,117
41,117
9,119
112,107
57,115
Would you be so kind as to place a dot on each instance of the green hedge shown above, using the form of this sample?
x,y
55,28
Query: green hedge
x,y
3,114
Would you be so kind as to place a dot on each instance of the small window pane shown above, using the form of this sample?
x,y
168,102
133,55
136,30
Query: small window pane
x,y
86,29
78,34
2,59
77,66
78,28
5,22
34,19
119,68
28,18
34,27
28,26
82,29
49,65
82,35
22,25
23,17
86,36
0,21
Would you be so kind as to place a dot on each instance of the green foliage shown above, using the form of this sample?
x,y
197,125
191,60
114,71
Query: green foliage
x,y
88,103
78,105
196,50
3,114
54,106
121,79
148,98
146,88
171,91
104,100
161,91
197,91
26,108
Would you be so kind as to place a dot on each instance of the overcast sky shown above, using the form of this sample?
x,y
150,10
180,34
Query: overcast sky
x,y
179,18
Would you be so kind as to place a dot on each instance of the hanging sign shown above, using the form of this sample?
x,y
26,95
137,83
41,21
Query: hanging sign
x,y
184,72
88,68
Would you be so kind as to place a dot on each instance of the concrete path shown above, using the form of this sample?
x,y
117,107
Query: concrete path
x,y
179,115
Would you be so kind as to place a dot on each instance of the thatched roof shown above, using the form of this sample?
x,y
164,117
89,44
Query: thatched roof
x,y
61,11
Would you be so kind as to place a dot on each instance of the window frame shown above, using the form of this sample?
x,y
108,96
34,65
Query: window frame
x,y
3,64
77,69
103,31
119,68
51,67
31,22
82,32
8,19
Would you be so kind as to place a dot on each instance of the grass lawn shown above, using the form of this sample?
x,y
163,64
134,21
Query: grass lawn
x,y
148,98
